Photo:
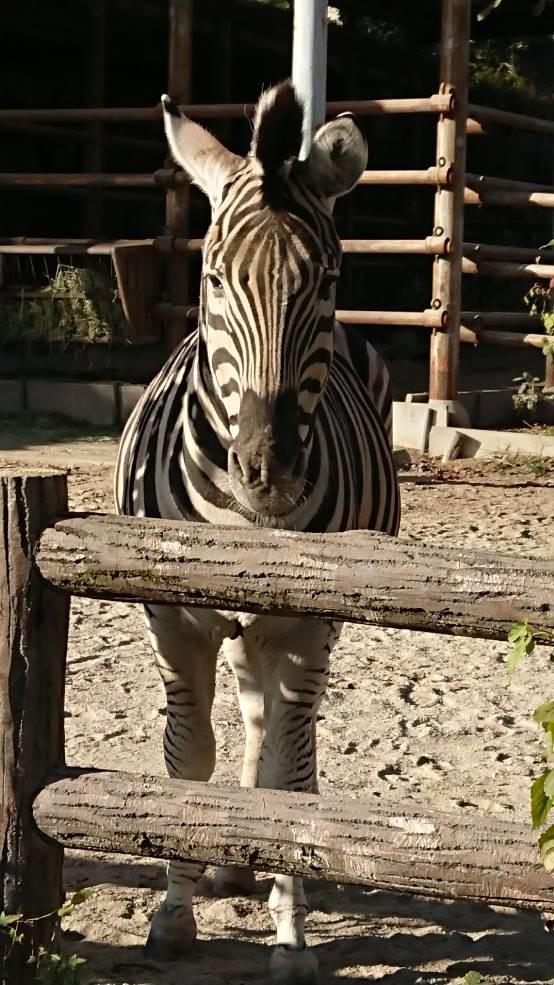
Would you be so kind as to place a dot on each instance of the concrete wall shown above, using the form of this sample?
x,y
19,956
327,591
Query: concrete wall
x,y
101,404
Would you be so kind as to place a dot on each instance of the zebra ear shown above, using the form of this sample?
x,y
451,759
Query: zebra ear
x,y
207,162
337,158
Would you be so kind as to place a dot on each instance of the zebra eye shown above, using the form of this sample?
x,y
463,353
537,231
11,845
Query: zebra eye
x,y
216,283
325,286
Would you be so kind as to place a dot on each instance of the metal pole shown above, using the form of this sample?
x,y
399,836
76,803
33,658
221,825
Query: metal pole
x,y
449,201
309,63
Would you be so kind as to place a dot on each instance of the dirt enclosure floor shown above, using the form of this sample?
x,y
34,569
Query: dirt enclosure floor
x,y
407,715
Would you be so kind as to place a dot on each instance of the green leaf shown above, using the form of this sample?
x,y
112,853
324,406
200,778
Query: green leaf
x,y
548,738
549,784
481,17
544,714
74,961
7,918
517,630
80,896
515,656
472,978
546,848
540,803
65,909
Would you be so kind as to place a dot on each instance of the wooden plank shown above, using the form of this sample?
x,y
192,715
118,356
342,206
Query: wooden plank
x,y
399,847
33,640
137,269
359,576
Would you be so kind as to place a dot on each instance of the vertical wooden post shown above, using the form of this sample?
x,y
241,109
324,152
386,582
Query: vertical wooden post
x,y
449,202
177,199
33,643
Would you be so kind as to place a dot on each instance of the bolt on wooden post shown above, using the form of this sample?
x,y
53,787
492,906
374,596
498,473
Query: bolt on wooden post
x,y
449,200
33,644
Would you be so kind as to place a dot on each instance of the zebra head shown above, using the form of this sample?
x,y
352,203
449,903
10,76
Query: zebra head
x,y
271,260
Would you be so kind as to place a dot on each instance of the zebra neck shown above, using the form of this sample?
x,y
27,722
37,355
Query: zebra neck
x,y
202,394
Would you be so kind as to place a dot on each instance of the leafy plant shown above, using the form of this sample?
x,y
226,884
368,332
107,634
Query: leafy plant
x,y
524,640
540,301
51,967
538,466
528,392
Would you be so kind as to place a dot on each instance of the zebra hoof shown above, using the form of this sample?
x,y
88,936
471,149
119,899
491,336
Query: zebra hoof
x,y
229,881
293,966
172,931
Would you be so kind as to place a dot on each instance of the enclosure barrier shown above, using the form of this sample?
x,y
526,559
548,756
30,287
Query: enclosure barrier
x,y
45,555
148,298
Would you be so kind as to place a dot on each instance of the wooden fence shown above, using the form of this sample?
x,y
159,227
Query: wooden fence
x,y
46,555
157,297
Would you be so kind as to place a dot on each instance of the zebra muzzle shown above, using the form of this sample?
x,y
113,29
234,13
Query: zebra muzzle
x,y
265,461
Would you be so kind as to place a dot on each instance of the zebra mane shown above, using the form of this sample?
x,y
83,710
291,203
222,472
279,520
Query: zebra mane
x,y
278,123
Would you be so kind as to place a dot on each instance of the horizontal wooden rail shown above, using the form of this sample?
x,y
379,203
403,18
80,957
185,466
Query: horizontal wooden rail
x,y
399,847
431,245
486,183
65,247
358,576
82,180
521,199
498,269
521,319
430,318
490,251
431,176
485,336
520,121
437,103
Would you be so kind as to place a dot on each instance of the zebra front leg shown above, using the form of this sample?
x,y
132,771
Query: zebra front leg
x,y
230,880
186,644
295,658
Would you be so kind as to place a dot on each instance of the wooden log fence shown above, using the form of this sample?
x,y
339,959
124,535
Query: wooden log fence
x,y
359,576
366,577
398,848
453,188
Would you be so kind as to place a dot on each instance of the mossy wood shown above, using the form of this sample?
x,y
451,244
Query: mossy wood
x,y
358,576
33,640
401,847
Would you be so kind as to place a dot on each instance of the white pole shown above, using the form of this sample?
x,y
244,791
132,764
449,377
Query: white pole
x,y
309,63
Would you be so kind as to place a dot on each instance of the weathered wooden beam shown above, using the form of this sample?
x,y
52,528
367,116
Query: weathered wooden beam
x,y
33,640
399,847
358,576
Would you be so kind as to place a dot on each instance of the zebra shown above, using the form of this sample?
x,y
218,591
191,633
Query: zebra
x,y
272,414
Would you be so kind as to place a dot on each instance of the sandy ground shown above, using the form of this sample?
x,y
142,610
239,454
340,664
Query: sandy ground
x,y
407,715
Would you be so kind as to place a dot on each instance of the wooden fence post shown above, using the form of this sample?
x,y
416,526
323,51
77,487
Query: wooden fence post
x,y
33,643
449,201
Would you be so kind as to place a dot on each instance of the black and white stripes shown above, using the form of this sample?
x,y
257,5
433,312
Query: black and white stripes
x,y
270,413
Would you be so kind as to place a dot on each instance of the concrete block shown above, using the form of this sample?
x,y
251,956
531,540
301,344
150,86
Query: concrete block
x,y
449,413
479,443
129,396
94,403
12,396
411,424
